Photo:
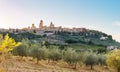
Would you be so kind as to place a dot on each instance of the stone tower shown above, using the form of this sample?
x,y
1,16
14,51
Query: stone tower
x,y
51,25
41,24
33,26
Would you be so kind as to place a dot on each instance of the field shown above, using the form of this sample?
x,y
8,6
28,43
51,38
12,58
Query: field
x,y
16,64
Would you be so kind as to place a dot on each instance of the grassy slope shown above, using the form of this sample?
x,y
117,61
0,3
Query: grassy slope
x,y
27,65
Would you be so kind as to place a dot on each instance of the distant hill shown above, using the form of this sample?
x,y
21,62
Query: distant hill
x,y
88,37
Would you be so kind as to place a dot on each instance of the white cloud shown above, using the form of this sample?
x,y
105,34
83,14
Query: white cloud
x,y
117,23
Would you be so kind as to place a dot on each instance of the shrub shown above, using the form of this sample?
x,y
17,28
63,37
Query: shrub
x,y
7,44
113,59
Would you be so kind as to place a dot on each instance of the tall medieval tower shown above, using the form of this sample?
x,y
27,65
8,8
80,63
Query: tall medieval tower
x,y
51,25
41,24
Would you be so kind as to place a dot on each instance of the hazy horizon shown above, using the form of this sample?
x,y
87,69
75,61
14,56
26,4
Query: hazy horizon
x,y
101,15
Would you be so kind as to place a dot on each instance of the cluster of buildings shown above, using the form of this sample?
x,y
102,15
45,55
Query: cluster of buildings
x,y
52,27
42,29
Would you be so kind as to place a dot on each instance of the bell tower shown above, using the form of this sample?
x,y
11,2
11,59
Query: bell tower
x,y
51,25
41,24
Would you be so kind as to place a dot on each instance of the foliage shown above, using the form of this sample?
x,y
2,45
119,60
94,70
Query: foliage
x,y
71,57
88,37
102,59
91,59
54,54
7,44
38,53
113,59
27,35
20,50
1,36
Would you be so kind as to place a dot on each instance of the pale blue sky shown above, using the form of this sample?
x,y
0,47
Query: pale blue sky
x,y
102,15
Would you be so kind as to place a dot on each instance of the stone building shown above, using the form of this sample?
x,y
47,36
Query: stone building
x,y
51,25
41,24
33,27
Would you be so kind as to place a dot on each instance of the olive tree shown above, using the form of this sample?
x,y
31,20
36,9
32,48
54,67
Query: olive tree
x,y
38,53
20,51
71,57
102,59
91,59
54,54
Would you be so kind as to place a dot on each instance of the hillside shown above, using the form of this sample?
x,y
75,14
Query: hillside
x,y
16,64
59,51
87,37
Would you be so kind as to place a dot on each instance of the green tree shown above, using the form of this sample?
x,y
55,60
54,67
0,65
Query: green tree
x,y
91,59
20,51
102,59
54,54
71,57
38,53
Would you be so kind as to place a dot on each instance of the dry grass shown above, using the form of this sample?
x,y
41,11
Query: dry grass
x,y
16,64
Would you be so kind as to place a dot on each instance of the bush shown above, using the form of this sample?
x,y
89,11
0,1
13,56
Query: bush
x,y
7,44
113,59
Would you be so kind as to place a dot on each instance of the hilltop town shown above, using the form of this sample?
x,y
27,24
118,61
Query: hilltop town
x,y
41,29
61,35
